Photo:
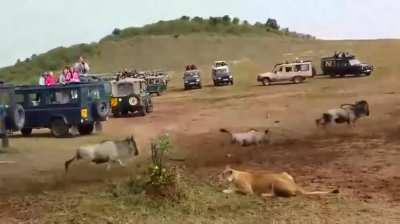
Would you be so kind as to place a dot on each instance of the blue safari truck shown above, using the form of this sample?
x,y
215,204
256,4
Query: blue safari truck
x,y
66,110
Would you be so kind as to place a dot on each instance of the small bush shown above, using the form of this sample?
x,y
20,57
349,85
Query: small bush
x,y
164,179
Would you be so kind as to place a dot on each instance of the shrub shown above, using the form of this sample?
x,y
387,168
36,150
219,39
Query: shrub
x,y
236,21
163,179
272,23
116,32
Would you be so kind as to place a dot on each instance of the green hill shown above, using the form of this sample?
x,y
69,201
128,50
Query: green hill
x,y
170,45
155,45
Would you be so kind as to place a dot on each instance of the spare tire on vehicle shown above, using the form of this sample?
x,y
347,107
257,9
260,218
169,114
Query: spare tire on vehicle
x,y
101,109
16,117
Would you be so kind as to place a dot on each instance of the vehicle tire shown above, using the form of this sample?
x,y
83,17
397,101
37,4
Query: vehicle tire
x,y
59,128
124,113
298,79
16,116
231,82
266,82
149,107
26,131
158,94
101,109
368,74
85,129
142,111
332,75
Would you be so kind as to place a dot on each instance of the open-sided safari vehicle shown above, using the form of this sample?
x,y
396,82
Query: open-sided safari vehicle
x,y
65,109
12,115
130,95
342,64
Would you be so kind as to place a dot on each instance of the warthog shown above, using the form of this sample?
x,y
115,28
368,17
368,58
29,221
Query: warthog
x,y
106,152
348,113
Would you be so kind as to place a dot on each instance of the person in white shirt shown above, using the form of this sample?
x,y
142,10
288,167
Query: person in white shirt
x,y
42,79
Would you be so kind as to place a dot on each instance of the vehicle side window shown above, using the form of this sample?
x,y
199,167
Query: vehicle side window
x,y
289,69
94,94
304,67
20,99
5,98
64,96
34,99
280,69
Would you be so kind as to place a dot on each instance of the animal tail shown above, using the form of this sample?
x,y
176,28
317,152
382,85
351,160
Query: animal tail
x,y
68,162
225,131
302,191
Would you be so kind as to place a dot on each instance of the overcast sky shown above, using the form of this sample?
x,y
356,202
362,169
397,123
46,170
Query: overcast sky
x,y
35,26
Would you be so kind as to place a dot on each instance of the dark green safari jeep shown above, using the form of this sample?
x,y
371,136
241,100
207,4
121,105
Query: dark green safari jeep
x,y
130,96
157,83
12,115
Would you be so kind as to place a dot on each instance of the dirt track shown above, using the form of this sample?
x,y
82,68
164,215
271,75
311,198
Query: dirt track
x,y
362,162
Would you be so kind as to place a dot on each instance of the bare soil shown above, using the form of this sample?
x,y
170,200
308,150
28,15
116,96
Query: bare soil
x,y
363,162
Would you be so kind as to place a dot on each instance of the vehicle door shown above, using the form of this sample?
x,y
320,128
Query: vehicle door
x,y
287,72
34,103
65,102
278,73
342,66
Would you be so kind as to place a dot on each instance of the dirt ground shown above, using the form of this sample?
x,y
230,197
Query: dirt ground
x,y
363,162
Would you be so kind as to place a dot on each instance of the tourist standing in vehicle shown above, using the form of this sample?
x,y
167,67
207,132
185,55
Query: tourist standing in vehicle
x,y
75,75
42,79
50,80
64,77
82,66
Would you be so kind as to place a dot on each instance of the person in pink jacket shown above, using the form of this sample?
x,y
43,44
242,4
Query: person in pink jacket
x,y
50,80
75,75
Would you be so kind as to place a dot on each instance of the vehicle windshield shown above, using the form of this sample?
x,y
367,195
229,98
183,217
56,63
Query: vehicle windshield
x,y
220,71
123,89
191,75
275,69
354,62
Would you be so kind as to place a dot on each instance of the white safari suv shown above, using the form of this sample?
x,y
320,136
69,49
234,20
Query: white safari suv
x,y
295,72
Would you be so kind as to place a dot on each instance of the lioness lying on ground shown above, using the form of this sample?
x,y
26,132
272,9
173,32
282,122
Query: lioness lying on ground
x,y
264,183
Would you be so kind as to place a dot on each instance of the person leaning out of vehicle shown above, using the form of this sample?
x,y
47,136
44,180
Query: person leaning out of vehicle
x,y
47,79
50,79
42,79
82,66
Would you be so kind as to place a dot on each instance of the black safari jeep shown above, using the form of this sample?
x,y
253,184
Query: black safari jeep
x,y
130,95
12,115
342,64
64,109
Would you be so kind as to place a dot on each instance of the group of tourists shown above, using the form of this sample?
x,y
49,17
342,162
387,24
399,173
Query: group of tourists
x,y
70,74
